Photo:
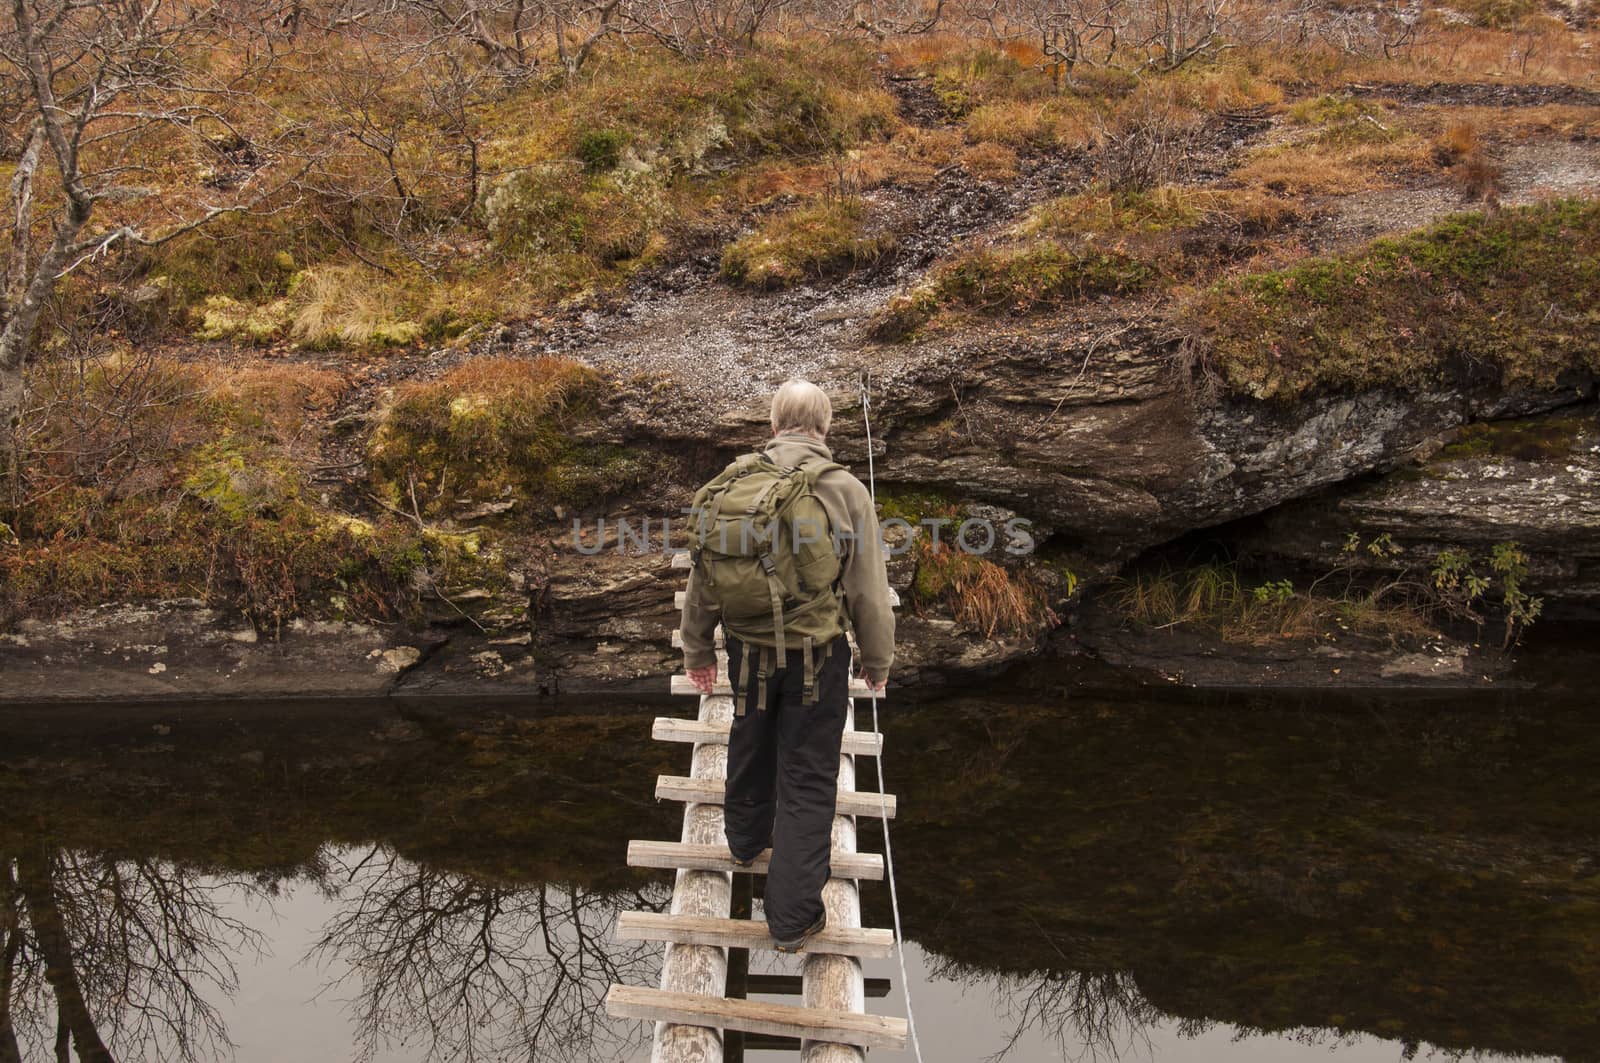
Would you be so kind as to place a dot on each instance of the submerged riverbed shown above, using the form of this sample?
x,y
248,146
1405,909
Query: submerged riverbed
x,y
1132,875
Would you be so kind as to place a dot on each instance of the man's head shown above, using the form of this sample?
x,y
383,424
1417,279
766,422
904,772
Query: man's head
x,y
801,406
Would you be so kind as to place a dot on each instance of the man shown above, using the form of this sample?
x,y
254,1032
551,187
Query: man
x,y
783,757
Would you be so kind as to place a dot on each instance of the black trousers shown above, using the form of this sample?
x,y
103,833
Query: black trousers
x,y
783,777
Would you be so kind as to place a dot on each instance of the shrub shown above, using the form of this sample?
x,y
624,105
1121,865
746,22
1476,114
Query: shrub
x,y
193,486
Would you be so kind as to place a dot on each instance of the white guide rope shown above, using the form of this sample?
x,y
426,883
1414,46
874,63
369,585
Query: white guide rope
x,y
883,800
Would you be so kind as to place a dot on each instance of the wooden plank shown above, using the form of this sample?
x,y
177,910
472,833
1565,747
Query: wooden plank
x,y
710,791
789,985
835,983
746,934
682,684
756,1016
675,729
686,855
699,893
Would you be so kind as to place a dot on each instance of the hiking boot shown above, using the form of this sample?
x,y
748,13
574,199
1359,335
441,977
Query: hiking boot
x,y
745,862
797,944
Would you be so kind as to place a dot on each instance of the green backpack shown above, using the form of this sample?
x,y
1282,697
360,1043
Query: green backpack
x,y
762,545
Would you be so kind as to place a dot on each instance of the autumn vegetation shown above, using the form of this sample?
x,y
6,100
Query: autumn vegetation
x,y
235,232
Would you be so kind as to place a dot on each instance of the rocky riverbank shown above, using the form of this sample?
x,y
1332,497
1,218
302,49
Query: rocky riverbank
x,y
409,525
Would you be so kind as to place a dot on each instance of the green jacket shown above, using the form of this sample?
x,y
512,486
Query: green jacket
x,y
863,577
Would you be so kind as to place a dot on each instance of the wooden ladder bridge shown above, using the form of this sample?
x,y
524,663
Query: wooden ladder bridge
x,y
702,1006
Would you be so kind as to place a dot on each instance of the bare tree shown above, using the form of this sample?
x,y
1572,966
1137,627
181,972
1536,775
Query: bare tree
x,y
1068,33
476,969
1172,32
132,953
109,85
697,28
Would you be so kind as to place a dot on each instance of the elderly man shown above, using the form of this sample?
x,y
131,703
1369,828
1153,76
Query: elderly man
x,y
787,557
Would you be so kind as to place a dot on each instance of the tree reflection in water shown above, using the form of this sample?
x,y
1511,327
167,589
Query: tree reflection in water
x,y
478,969
1083,1015
107,959
117,958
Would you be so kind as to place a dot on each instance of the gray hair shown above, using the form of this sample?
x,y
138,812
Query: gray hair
x,y
801,406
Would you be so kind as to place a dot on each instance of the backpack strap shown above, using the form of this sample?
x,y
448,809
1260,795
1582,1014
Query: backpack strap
x,y
717,490
763,673
810,695
777,591
741,698
814,469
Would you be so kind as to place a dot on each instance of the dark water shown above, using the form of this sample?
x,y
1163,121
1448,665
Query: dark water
x,y
1080,876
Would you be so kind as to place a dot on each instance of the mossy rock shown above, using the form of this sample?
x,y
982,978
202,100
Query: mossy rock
x,y
1514,295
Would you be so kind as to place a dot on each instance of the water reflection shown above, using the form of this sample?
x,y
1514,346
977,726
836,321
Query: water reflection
x,y
475,969
138,959
116,958
1083,881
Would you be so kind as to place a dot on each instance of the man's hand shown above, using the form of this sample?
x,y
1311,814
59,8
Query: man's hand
x,y
704,678
876,685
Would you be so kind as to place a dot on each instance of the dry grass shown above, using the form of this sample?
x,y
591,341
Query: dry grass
x,y
979,593
1552,121
279,401
912,157
1347,145
990,162
1212,596
348,306
1030,124
1472,168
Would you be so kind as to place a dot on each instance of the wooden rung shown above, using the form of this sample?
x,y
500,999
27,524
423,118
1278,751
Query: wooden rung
x,y
792,985
678,598
756,1016
691,857
710,792
681,684
747,934
672,729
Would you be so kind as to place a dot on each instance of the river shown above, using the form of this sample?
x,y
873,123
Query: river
x,y
1138,875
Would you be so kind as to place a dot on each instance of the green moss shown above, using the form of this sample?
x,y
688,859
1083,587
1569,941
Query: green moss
x,y
1528,438
223,317
584,474
808,243
601,149
499,428
913,505
1036,276
1512,293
